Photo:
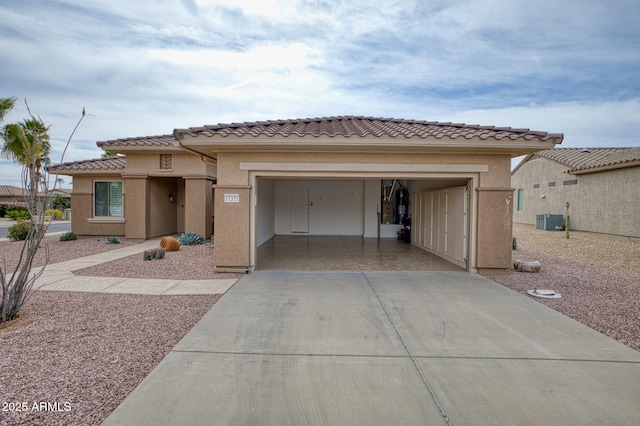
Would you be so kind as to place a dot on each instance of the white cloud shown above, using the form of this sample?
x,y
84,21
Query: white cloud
x,y
144,68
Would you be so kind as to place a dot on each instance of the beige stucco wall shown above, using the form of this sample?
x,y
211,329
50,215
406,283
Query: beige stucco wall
x,y
182,165
493,209
82,208
605,202
147,210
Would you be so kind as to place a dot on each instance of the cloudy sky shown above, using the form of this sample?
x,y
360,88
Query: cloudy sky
x,y
146,67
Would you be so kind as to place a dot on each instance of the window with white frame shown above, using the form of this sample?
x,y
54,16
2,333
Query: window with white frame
x,y
108,199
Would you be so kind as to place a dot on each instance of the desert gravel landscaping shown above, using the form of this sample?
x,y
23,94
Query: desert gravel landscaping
x,y
90,350
598,276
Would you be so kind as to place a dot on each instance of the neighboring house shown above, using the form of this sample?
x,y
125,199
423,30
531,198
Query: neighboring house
x,y
314,176
15,195
599,188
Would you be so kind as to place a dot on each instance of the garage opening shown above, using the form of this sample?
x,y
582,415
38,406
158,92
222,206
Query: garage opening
x,y
357,224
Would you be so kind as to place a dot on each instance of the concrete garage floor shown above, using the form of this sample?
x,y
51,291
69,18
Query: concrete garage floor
x,y
345,253
381,348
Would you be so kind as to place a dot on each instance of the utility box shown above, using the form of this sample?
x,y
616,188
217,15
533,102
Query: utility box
x,y
549,222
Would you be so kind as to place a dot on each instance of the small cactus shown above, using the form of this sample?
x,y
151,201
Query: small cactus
x,y
189,238
159,253
153,254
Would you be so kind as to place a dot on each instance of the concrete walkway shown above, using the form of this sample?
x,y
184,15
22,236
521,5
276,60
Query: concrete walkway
x,y
386,348
59,277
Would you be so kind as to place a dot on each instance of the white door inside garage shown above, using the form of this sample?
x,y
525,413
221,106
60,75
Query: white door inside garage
x,y
318,207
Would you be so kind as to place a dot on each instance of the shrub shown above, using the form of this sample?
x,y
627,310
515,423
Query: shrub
x,y
113,240
19,231
6,207
61,202
55,214
189,238
17,214
68,236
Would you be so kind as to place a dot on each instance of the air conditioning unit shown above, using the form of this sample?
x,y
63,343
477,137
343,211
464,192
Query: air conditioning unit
x,y
549,222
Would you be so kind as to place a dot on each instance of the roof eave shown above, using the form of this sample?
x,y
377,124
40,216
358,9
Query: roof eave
x,y
137,149
607,167
211,145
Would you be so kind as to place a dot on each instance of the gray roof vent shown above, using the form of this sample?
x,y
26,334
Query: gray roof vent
x,y
585,150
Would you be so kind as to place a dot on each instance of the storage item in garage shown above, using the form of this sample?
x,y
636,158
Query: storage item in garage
x,y
387,211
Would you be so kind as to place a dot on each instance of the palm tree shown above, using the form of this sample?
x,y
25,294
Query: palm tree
x,y
27,143
6,105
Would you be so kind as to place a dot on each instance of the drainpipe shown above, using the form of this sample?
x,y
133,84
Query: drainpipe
x,y
203,157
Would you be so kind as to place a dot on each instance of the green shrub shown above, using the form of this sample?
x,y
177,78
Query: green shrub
x,y
189,238
113,240
55,214
17,214
68,236
5,208
19,231
61,202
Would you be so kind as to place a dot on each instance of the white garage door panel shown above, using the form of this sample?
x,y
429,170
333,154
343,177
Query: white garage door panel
x,y
456,223
335,207
443,223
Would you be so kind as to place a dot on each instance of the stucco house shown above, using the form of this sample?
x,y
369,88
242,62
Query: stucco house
x,y
599,188
359,176
15,195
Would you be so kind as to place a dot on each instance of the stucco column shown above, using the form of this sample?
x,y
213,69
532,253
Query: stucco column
x,y
232,207
495,227
198,206
136,203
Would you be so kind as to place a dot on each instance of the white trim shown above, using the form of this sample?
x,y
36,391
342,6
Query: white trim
x,y
106,219
376,168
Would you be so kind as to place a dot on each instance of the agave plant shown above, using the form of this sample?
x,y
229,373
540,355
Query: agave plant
x,y
113,240
189,238
68,236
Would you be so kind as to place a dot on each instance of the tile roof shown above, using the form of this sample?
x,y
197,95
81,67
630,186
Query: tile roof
x,y
14,191
98,164
593,159
10,191
365,126
151,141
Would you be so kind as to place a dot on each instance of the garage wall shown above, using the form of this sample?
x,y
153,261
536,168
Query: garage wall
x,y
335,207
439,223
266,210
371,207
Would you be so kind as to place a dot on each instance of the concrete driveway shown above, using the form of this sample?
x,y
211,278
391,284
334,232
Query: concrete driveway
x,y
382,348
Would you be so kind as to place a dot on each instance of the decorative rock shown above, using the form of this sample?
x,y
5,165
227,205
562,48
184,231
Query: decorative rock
x,y
527,265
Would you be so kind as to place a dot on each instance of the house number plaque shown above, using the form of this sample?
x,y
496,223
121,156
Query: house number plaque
x,y
231,198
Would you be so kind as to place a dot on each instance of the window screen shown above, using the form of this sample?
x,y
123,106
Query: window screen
x,y
108,199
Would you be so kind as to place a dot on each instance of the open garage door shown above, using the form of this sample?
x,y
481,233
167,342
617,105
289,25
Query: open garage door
x,y
338,207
